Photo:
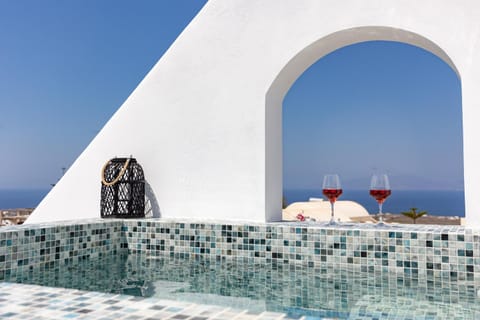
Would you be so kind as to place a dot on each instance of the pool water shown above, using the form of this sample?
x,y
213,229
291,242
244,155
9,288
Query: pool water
x,y
296,290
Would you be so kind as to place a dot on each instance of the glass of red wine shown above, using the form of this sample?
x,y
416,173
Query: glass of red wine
x,y
380,190
332,190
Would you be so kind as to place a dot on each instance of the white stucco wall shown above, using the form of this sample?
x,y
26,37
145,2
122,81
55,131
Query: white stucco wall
x,y
207,118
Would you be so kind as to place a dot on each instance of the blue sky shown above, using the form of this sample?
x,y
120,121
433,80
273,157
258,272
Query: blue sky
x,y
375,107
66,67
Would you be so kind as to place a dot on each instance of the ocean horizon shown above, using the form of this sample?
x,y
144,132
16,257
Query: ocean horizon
x,y
439,203
435,202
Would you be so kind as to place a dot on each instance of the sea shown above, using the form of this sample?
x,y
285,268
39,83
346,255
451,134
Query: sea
x,y
24,198
435,202
439,203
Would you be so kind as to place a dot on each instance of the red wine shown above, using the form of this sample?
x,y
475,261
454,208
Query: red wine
x,y
332,194
380,195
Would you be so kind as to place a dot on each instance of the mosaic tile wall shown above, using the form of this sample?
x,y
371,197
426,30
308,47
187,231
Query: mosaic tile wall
x,y
295,288
39,247
441,253
438,253
351,269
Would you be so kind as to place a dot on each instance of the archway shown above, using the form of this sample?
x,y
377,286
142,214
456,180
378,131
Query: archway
x,y
303,60
380,105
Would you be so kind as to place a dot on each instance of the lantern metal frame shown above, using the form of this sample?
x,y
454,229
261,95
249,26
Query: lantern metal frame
x,y
123,189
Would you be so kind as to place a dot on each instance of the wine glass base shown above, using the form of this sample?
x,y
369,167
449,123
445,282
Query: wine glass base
x,y
381,224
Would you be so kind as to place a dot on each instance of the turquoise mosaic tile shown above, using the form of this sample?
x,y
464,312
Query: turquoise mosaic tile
x,y
438,257
448,253
29,248
444,253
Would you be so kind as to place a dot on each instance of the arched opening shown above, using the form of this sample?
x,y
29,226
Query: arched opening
x,y
296,66
378,105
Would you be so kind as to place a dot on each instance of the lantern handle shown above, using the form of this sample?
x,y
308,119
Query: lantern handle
x,y
109,184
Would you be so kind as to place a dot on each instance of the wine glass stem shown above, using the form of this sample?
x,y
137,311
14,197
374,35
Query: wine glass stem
x,y
332,218
380,218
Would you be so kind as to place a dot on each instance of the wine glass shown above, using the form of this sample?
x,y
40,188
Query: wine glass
x,y
380,190
332,190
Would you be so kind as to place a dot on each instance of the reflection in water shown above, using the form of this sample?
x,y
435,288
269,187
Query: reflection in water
x,y
296,290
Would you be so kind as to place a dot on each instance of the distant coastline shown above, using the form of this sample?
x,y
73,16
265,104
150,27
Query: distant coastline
x,y
436,202
441,203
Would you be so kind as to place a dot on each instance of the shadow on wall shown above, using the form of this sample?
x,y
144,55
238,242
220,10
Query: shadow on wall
x,y
152,209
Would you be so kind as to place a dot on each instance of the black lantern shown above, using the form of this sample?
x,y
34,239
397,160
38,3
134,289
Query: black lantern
x,y
123,189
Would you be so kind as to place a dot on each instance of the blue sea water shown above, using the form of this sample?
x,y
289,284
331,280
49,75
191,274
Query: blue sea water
x,y
441,203
25,198
438,203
